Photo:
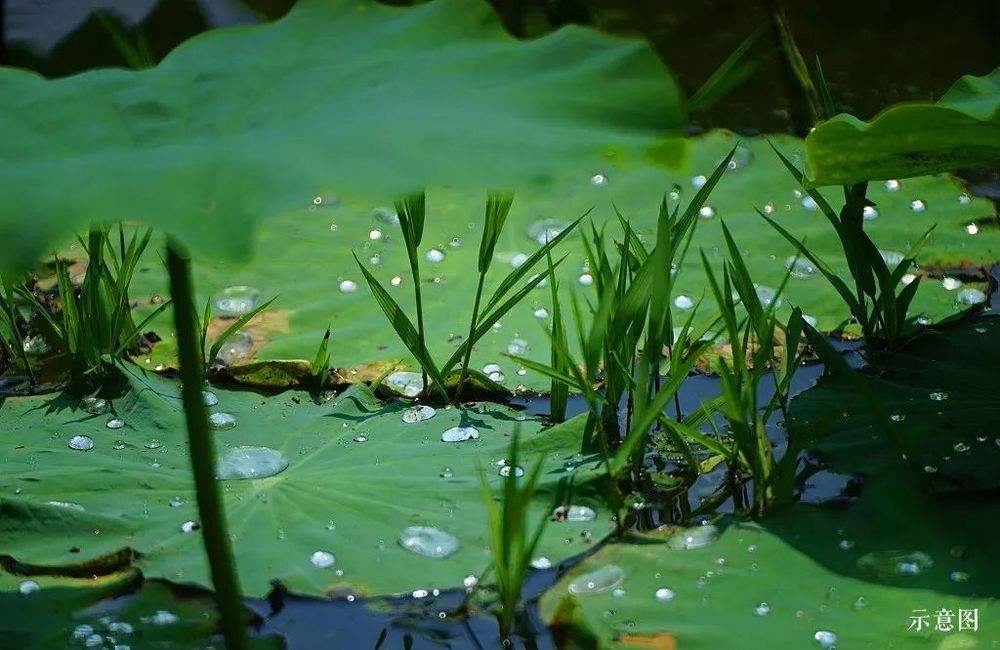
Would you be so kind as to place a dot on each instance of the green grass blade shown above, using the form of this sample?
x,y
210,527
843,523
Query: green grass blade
x,y
238,324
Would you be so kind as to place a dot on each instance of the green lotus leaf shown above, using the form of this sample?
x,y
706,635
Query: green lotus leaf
x,y
935,399
911,139
859,567
56,612
337,98
305,256
357,476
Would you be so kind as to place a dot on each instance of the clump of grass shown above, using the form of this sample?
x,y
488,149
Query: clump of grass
x,y
512,540
93,325
10,319
504,297
622,351
876,301
319,368
209,353
756,349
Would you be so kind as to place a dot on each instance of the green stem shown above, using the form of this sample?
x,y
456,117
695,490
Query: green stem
x,y
468,343
796,65
415,272
213,521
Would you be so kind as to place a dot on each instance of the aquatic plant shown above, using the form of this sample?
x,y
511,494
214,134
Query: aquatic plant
x,y
93,324
481,321
209,354
760,346
512,540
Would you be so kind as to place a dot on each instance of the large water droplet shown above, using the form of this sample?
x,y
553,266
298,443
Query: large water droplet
x,y
767,296
541,563
161,617
892,185
869,213
115,423
428,541
706,212
221,421
540,313
517,347
891,564
763,609
970,296
28,587
189,526
208,398
236,348
950,283
418,414
683,302
95,405
236,301
665,594
405,382
699,180
825,638
578,513
694,537
348,286
800,267
434,255
459,434
81,443
545,230
250,463
607,577
918,205
322,559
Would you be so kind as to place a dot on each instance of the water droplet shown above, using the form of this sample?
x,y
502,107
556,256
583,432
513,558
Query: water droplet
x,y
95,405
598,179
950,283
470,581
665,594
115,423
348,286
208,398
541,313
374,234
162,617
189,526
153,444
28,587
580,513
586,279
361,438
420,593
120,627
918,205
897,417
405,382
541,563
541,232
767,208
763,609
869,213
825,638
800,267
222,421
812,320
889,564
460,434
961,447
767,296
428,541
683,302
236,300
675,192
81,443
607,577
176,502
505,470
972,229
892,259
706,212
954,576
236,348
892,185
809,203
119,445
322,559
970,296
908,278
694,537
250,463
447,472
699,180
517,347
939,395
81,632
418,414
396,280
434,255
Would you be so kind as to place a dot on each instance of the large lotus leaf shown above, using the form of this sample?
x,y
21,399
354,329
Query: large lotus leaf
x,y
858,571
303,261
119,606
337,97
357,476
911,139
936,399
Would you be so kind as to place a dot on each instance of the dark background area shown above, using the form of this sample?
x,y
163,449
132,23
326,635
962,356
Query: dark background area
x,y
875,53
